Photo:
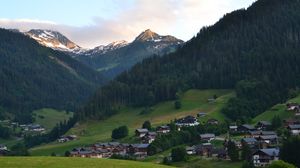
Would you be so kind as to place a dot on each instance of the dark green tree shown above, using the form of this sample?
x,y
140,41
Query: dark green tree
x,y
147,125
233,151
179,154
289,152
120,132
177,104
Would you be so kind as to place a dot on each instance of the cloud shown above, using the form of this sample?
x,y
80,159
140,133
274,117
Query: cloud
x,y
181,18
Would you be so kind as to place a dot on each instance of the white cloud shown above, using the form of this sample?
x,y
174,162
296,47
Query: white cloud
x,y
181,18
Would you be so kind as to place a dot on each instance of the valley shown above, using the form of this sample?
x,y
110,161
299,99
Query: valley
x,y
193,102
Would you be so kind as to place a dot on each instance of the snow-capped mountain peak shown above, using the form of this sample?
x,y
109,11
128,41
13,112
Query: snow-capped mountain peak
x,y
54,40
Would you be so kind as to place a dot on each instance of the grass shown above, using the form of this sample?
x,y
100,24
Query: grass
x,y
279,110
65,162
91,131
198,162
50,117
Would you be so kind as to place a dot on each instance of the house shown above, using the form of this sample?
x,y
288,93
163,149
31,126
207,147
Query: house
x,y
221,153
35,128
212,121
207,137
292,107
67,138
294,129
246,128
233,128
188,121
139,150
3,147
265,157
256,134
204,149
288,122
163,129
201,114
191,150
251,142
141,132
267,140
263,125
149,137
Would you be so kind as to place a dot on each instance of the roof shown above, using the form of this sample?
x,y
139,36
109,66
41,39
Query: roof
x,y
270,151
207,135
140,145
142,130
266,137
232,127
296,126
164,127
250,127
268,133
264,122
249,140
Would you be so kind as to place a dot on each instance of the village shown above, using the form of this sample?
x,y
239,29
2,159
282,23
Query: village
x,y
261,138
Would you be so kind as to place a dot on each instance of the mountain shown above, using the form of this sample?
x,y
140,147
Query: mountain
x,y
103,49
33,76
112,62
254,51
54,40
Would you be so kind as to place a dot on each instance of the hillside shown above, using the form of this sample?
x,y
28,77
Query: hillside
x,y
64,162
91,131
258,44
277,110
35,77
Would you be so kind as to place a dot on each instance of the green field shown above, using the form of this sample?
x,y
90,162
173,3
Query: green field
x,y
65,162
279,110
90,132
50,117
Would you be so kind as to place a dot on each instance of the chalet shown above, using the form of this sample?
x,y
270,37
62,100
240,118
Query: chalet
x,y
233,128
188,121
86,153
204,149
212,121
256,134
265,157
288,122
263,125
221,153
141,132
268,140
149,137
3,147
207,137
138,150
35,128
294,129
292,107
67,138
251,142
201,114
246,128
163,129
191,150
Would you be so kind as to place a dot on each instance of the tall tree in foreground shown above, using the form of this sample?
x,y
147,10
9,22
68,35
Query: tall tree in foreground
x,y
290,152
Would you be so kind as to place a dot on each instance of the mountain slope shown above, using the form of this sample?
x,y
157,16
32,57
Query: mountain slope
x,y
33,76
113,62
54,40
261,42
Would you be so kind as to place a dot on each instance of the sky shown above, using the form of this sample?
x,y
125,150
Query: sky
x,y
91,23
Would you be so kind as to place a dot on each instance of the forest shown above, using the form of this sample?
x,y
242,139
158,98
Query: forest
x,y
254,51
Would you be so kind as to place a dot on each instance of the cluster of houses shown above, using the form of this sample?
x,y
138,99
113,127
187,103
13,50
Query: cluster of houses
x,y
106,150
